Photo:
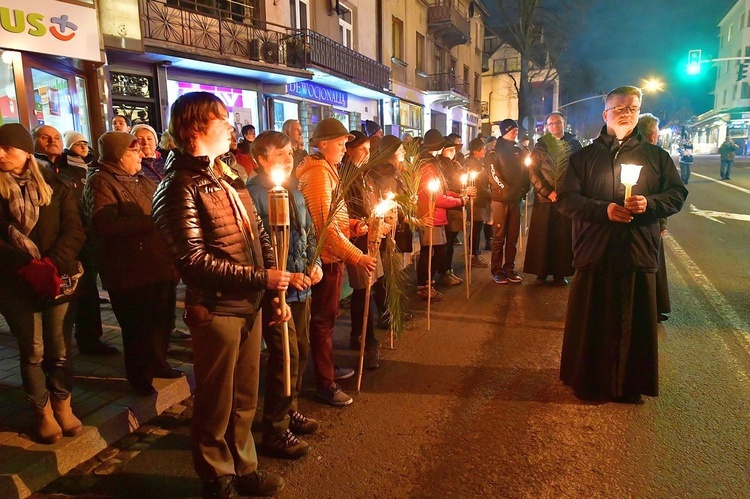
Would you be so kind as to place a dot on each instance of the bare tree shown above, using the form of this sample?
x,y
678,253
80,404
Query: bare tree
x,y
538,31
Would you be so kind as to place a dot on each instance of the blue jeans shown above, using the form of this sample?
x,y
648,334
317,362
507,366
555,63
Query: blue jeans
x,y
726,168
685,172
43,336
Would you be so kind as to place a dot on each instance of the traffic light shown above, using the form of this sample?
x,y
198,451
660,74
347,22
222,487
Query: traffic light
x,y
741,71
694,62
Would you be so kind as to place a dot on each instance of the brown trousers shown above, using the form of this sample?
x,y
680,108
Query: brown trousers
x,y
226,357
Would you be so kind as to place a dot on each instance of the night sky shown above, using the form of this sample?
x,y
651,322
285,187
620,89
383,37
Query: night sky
x,y
625,42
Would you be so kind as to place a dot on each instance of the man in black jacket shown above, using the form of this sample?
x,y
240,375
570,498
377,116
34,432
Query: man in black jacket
x,y
217,242
610,343
509,182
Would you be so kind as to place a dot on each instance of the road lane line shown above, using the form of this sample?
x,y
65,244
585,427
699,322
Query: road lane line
x,y
722,307
721,182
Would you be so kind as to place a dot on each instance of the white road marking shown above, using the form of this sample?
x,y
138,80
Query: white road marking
x,y
721,182
714,298
715,215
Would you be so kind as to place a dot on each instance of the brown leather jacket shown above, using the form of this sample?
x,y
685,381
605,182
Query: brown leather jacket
x,y
223,267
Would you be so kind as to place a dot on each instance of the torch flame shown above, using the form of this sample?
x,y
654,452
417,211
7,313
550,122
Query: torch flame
x,y
278,176
384,207
433,185
527,161
390,196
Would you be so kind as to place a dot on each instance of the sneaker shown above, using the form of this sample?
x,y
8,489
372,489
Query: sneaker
x,y
422,292
342,372
560,281
479,262
372,356
221,488
513,276
179,334
449,279
500,278
97,347
284,444
258,483
300,424
335,396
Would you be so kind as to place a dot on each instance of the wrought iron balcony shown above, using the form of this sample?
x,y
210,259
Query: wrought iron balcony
x,y
446,23
447,82
219,30
341,61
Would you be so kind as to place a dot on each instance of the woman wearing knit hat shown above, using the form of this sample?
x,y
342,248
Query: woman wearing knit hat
x,y
133,260
152,164
41,237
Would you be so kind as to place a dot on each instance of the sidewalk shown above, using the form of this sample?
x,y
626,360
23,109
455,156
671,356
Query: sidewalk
x,y
102,399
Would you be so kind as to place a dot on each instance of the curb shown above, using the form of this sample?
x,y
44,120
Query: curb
x,y
31,469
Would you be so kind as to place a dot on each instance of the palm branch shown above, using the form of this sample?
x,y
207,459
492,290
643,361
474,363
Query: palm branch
x,y
558,152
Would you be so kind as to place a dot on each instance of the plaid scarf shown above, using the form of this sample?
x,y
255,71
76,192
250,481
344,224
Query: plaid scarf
x,y
24,206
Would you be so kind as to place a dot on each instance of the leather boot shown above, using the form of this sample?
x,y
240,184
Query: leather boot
x,y
70,424
47,429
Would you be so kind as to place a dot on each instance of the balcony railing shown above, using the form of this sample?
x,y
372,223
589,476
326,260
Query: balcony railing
x,y
191,27
447,82
344,62
448,24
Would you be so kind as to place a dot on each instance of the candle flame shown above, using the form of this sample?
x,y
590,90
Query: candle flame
x,y
278,176
527,161
629,174
473,175
433,185
464,178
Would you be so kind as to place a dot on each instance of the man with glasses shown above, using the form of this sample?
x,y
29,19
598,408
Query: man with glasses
x,y
550,251
609,348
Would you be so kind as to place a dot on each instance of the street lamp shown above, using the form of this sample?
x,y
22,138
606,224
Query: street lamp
x,y
652,85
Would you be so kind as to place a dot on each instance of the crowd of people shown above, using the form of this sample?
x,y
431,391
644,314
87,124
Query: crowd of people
x,y
193,205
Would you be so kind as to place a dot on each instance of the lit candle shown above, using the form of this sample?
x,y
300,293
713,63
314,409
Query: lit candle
x,y
472,178
527,161
629,177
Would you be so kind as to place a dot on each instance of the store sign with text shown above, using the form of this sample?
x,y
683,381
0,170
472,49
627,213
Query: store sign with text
x,y
319,93
50,27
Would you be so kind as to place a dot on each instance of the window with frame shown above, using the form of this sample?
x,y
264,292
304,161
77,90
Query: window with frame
x,y
466,74
745,92
477,86
345,25
397,38
420,52
299,10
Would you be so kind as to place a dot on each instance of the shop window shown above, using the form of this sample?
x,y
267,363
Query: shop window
x,y
137,113
53,103
125,85
242,105
282,111
8,99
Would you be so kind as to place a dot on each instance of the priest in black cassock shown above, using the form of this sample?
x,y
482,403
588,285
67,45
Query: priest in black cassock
x,y
610,344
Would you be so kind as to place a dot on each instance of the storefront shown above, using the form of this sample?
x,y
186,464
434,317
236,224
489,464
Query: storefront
x,y
407,118
44,76
464,123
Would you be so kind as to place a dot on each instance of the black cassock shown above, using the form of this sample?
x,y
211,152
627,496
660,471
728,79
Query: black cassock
x,y
610,344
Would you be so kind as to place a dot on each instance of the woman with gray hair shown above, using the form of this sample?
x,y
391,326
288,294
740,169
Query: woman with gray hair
x,y
40,236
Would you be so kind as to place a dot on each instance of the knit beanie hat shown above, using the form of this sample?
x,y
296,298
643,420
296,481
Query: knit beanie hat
x,y
370,128
143,126
112,145
16,135
72,137
507,125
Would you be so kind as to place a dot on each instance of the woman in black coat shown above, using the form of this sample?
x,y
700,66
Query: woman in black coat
x,y
40,237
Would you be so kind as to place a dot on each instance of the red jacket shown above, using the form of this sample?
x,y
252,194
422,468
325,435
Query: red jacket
x,y
443,199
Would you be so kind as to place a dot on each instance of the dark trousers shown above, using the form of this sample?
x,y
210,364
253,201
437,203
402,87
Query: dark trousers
x,y
87,312
42,337
487,236
506,220
325,308
438,256
449,246
726,169
476,230
226,360
276,406
358,312
144,315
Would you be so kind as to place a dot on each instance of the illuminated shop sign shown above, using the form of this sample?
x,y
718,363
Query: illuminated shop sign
x,y
50,27
320,93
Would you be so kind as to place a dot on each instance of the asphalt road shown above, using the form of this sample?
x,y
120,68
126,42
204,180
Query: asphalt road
x,y
474,407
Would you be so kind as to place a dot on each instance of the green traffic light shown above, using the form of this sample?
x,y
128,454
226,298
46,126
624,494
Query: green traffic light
x,y
693,69
694,62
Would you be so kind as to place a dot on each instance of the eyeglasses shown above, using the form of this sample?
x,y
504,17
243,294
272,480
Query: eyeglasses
x,y
555,123
624,109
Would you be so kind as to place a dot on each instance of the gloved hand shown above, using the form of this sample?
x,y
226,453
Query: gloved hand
x,y
43,277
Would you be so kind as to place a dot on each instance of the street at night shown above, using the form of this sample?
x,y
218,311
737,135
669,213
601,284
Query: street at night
x,y
474,407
